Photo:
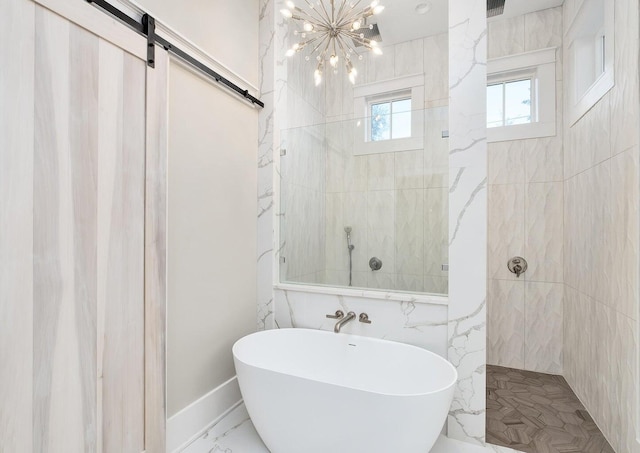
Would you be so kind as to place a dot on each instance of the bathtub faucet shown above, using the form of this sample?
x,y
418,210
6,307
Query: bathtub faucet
x,y
341,322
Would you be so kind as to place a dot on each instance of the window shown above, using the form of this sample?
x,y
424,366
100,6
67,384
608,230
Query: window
x,y
521,96
590,42
509,103
389,115
390,119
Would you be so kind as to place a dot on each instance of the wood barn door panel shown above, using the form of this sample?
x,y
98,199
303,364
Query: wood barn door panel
x,y
16,225
89,207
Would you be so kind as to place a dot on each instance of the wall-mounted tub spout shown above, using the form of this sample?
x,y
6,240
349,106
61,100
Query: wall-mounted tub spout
x,y
350,317
350,247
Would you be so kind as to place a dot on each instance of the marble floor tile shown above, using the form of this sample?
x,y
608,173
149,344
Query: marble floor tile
x,y
235,434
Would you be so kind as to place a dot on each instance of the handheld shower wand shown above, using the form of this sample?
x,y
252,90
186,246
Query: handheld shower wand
x,y
350,247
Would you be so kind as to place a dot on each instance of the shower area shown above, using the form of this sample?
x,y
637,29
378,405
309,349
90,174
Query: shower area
x,y
376,221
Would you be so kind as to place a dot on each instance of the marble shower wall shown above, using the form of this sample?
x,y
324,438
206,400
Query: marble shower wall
x,y
601,242
526,219
465,335
291,103
396,203
302,204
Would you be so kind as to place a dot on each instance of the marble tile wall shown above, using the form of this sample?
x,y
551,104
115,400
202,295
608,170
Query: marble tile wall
x,y
526,219
467,330
291,103
460,327
601,243
410,322
396,203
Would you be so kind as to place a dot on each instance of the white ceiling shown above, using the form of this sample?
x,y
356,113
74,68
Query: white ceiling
x,y
400,22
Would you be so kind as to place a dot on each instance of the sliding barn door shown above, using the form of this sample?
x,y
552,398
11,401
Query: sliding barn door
x,y
82,241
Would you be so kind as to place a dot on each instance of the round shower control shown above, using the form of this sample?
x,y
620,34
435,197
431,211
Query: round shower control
x,y
375,264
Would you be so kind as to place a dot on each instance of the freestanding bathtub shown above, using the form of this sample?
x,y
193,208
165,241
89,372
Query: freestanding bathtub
x,y
311,391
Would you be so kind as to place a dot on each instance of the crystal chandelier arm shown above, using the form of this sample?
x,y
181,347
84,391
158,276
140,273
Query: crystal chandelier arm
x,y
364,41
322,40
341,10
315,18
345,55
352,15
326,14
343,44
303,16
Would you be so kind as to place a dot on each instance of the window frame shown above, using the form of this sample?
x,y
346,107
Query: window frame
x,y
591,35
540,67
386,98
372,93
519,76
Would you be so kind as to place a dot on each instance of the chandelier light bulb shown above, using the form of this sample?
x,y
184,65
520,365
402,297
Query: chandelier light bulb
x,y
333,60
291,5
307,26
374,3
317,76
378,9
377,50
286,13
356,25
290,53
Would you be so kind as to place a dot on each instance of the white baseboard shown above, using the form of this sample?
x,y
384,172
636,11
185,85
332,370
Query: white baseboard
x,y
191,422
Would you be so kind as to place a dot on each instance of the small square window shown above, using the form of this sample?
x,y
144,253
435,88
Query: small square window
x,y
509,103
390,119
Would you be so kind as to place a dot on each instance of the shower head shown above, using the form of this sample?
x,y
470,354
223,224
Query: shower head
x,y
347,229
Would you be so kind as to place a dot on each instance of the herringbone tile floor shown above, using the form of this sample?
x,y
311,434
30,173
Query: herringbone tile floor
x,y
538,413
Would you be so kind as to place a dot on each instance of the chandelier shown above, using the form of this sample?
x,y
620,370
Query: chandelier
x,y
332,32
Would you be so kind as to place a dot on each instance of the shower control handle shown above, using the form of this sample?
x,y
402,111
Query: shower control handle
x,y
338,315
375,264
517,265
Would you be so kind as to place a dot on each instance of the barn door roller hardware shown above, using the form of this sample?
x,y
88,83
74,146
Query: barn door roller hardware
x,y
147,28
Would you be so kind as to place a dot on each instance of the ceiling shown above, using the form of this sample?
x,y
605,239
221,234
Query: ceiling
x,y
400,22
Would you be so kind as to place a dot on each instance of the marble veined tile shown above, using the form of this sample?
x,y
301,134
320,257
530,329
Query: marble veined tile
x,y
543,29
436,68
543,327
409,170
235,433
506,162
625,105
543,232
380,171
506,323
410,240
506,37
544,159
408,58
380,67
506,228
624,240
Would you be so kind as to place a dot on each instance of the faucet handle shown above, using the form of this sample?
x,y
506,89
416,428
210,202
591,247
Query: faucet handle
x,y
338,315
364,318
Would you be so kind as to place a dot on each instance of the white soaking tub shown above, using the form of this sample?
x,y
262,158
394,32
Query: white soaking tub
x,y
311,391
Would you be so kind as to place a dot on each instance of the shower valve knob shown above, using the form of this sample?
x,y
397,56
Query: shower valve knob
x,y
517,265
375,264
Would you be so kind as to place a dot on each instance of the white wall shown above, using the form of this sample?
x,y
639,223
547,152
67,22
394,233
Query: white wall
x,y
212,233
226,30
212,196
